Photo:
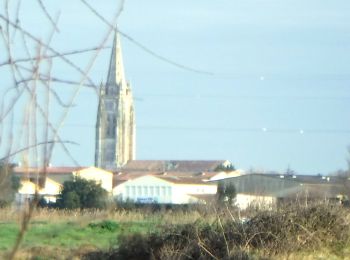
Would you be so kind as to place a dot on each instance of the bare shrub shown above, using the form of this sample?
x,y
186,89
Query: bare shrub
x,y
266,234
296,228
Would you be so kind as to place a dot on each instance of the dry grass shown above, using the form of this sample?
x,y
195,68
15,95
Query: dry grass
x,y
88,215
313,232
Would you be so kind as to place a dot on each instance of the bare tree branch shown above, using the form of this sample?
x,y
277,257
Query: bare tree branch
x,y
33,146
54,55
53,23
32,37
141,46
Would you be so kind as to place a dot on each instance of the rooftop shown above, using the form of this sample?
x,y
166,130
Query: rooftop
x,y
49,170
174,165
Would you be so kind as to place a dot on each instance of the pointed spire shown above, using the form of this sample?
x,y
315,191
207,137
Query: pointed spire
x,y
116,75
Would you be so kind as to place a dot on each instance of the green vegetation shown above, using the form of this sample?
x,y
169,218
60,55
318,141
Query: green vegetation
x,y
278,234
106,225
313,232
226,193
225,168
81,193
68,236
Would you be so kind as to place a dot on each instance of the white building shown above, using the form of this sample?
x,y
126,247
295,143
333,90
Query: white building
x,y
49,182
163,189
260,201
185,182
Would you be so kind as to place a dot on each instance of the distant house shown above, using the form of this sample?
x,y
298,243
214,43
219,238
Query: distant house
x,y
163,189
25,192
50,190
48,182
259,190
170,181
268,190
318,187
28,188
38,175
105,178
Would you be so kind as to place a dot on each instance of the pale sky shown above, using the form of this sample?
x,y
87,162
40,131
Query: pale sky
x,y
278,95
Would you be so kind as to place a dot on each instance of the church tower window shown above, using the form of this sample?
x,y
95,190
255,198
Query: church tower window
x,y
111,126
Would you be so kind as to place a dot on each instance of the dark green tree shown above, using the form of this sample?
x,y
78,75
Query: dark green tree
x,y
221,192
225,168
9,184
81,193
226,193
230,193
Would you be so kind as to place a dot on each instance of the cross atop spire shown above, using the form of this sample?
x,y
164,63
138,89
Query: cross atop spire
x,y
116,78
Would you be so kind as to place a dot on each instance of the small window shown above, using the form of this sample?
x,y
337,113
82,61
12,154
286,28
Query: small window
x,y
111,125
109,106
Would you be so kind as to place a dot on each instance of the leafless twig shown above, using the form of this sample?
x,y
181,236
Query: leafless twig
x,y
53,23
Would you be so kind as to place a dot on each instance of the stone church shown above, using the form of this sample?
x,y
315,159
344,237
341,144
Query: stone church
x,y
115,125
115,129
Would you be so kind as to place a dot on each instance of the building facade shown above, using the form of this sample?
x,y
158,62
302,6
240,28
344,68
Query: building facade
x,y
54,178
162,189
115,125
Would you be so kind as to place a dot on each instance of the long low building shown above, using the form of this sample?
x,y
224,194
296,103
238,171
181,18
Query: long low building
x,y
170,181
268,190
163,189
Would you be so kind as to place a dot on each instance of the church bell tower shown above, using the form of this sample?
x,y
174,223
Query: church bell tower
x,y
115,125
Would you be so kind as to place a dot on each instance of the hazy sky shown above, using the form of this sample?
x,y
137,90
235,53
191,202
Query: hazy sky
x,y
277,96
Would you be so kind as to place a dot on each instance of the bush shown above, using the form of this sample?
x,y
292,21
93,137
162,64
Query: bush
x,y
268,233
107,225
226,193
297,228
81,193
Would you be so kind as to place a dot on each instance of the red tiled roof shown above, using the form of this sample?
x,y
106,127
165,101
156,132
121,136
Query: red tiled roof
x,y
174,177
185,180
173,165
49,170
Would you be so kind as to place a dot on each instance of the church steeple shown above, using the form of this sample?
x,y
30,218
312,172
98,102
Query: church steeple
x,y
115,126
116,76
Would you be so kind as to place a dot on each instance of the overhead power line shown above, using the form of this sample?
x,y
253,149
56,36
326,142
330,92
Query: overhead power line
x,y
142,46
281,130
250,130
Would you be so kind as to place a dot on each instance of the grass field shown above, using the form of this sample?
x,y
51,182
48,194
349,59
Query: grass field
x,y
60,234
70,235
68,238
55,234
